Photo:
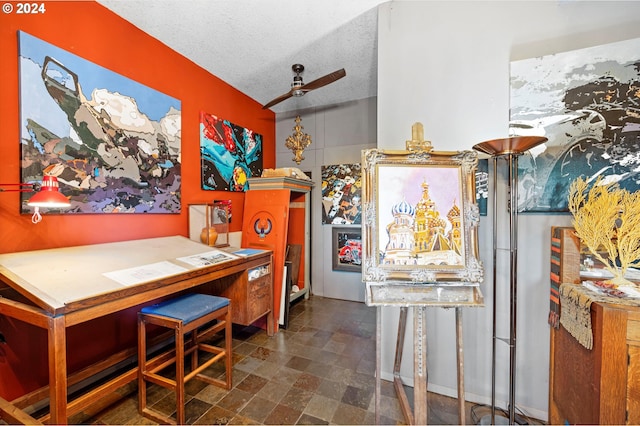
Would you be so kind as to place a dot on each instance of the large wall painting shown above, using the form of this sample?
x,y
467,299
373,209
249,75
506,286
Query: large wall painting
x,y
341,194
113,143
587,103
230,154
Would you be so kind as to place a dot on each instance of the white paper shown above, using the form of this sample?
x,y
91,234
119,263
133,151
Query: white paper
x,y
145,273
208,258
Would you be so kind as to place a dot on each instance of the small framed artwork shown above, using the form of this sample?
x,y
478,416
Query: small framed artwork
x,y
420,218
346,248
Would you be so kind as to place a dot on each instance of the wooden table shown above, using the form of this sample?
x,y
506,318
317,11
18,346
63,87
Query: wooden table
x,y
52,291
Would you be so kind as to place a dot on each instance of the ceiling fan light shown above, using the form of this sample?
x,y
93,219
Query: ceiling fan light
x,y
298,88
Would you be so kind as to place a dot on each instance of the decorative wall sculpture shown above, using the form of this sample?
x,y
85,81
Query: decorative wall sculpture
x,y
341,194
230,154
587,103
113,143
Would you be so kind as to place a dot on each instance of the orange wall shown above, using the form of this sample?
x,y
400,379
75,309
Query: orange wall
x,y
92,32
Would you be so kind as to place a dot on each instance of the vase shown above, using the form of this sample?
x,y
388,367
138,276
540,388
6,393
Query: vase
x,y
209,236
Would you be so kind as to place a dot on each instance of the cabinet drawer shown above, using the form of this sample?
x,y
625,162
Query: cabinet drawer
x,y
259,296
258,285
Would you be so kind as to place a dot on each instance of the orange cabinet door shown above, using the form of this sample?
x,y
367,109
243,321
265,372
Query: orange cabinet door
x,y
265,226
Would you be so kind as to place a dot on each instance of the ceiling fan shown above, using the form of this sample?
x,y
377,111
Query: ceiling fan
x,y
298,88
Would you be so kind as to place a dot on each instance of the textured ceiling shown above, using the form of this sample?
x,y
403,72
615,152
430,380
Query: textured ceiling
x,y
251,44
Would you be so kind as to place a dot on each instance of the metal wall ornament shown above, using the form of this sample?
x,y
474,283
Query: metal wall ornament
x,y
298,141
420,217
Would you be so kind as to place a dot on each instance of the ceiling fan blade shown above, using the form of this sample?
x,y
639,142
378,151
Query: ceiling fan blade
x,y
323,81
278,100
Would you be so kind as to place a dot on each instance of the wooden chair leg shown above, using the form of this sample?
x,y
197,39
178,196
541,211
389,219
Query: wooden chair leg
x,y
142,365
180,376
194,354
228,343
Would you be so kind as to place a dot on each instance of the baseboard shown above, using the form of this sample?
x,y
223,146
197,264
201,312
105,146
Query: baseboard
x,y
470,397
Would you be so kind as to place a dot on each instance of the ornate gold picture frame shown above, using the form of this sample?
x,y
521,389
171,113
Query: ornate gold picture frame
x,y
420,218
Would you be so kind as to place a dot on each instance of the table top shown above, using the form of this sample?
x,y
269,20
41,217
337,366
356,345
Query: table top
x,y
53,278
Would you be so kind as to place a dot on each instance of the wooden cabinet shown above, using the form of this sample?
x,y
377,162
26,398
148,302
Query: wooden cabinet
x,y
277,216
250,293
601,385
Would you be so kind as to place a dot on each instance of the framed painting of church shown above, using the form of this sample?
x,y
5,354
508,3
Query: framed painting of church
x,y
420,218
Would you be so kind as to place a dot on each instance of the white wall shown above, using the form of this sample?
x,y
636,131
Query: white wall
x,y
446,64
339,134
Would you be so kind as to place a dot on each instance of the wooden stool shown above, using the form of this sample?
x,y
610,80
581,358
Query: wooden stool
x,y
184,314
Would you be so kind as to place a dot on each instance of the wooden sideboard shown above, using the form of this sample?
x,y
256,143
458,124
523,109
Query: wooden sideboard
x,y
56,289
601,385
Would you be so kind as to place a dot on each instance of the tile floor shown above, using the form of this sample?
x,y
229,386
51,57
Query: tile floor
x,y
320,370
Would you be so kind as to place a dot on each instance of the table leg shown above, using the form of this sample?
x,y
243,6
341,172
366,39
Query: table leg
x,y
58,370
271,324
460,357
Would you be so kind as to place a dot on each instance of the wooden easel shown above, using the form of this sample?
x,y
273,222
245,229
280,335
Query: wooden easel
x,y
391,287
419,414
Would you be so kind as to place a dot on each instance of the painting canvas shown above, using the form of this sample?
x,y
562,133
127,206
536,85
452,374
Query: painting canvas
x,y
346,248
113,143
230,154
421,218
482,185
341,194
587,103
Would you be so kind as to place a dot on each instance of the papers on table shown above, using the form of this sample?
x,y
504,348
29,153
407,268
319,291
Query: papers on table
x,y
207,259
140,274
153,271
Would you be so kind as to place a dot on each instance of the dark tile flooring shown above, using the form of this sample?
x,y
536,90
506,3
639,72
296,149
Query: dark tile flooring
x,y
320,370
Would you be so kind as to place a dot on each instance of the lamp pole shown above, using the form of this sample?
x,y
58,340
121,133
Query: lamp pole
x,y
509,149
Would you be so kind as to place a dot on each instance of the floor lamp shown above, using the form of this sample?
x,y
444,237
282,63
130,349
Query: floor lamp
x,y
509,149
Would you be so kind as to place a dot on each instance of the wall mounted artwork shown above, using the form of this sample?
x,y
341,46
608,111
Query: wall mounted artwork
x,y
587,103
113,143
230,154
346,248
482,185
341,194
421,218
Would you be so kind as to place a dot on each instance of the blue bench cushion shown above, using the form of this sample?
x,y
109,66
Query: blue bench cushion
x,y
188,307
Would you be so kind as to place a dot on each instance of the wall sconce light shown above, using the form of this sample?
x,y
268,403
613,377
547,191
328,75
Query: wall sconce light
x,y
298,141
47,195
